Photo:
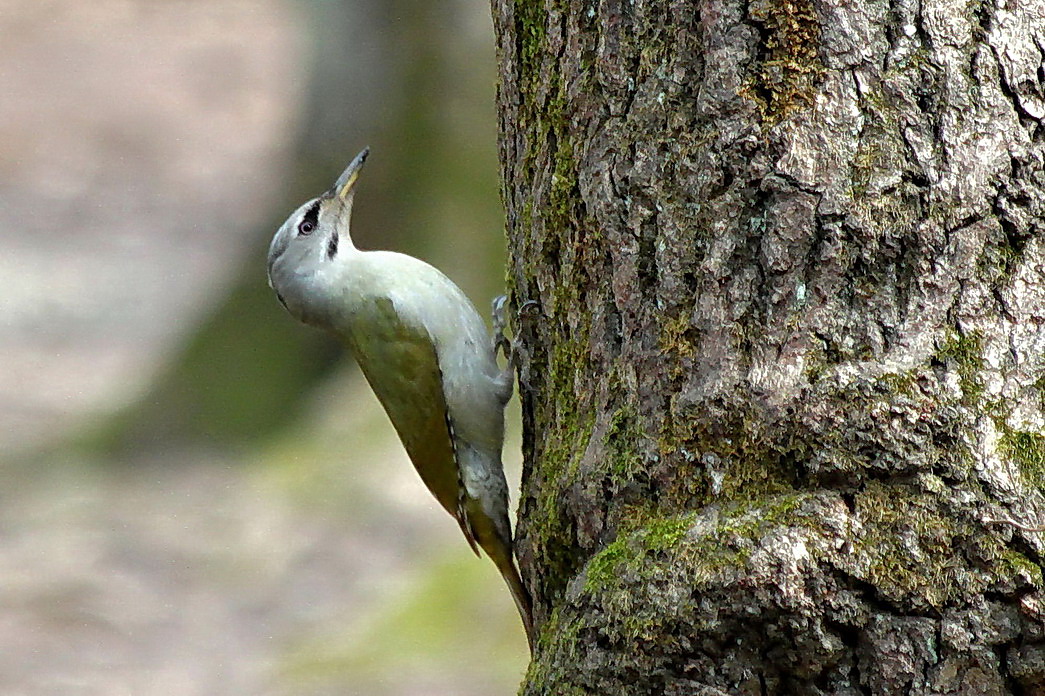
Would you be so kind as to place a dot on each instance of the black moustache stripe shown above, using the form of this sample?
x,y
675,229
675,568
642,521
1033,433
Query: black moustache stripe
x,y
332,246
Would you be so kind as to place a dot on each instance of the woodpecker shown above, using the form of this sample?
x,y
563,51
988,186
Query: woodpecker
x,y
424,350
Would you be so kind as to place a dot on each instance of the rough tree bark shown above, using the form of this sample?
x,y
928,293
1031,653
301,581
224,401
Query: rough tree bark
x,y
784,423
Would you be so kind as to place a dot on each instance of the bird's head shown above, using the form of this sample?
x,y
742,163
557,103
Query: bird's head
x,y
306,246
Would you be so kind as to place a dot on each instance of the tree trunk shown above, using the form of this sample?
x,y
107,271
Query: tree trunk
x,y
784,391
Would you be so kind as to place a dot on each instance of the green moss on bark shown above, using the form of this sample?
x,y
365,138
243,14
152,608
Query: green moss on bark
x,y
1021,569
786,78
629,552
622,460
531,30
653,554
965,351
1027,450
737,460
909,547
549,528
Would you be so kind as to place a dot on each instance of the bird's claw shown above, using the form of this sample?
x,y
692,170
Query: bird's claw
x,y
512,349
529,311
500,342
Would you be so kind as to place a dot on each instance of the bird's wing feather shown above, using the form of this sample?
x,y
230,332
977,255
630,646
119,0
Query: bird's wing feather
x,y
399,361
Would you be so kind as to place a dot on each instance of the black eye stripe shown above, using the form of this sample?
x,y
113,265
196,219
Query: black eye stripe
x,y
311,217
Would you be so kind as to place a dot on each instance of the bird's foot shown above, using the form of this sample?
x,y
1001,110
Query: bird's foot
x,y
512,349
500,323
527,312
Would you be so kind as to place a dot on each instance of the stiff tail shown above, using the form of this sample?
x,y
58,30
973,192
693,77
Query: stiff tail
x,y
522,598
496,540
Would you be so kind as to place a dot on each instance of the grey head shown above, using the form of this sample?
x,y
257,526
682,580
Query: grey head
x,y
308,243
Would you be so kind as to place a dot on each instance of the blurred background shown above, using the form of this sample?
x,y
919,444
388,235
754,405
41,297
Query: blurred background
x,y
197,494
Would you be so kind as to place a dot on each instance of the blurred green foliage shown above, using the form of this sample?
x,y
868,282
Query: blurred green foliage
x,y
446,624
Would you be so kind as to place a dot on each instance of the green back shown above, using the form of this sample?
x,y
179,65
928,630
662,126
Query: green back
x,y
400,363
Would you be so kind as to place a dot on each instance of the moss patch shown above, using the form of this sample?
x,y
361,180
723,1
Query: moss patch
x,y
909,548
1014,565
631,548
965,352
531,30
646,568
738,461
679,339
1027,450
571,423
549,526
648,539
621,440
556,650
786,78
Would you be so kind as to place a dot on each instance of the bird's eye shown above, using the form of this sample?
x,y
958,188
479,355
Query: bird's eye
x,y
306,227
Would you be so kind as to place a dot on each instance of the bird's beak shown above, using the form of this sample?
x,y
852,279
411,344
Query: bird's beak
x,y
347,181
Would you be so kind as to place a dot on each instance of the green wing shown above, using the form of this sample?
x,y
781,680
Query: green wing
x,y
400,363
